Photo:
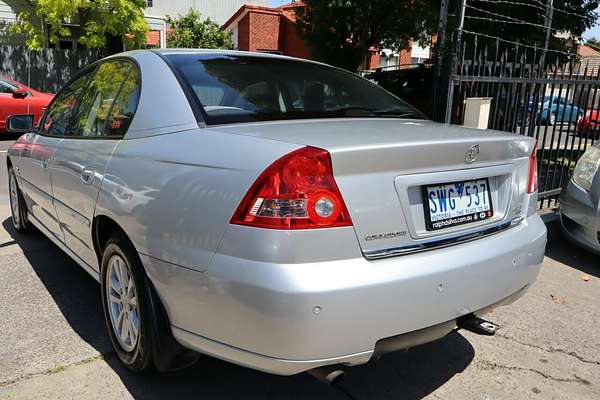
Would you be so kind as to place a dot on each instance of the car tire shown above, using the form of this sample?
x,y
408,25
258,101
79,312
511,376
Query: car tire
x,y
17,204
127,305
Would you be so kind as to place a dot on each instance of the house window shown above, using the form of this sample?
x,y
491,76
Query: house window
x,y
149,3
65,44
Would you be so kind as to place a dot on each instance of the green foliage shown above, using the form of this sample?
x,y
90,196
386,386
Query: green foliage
x,y
340,32
98,19
190,31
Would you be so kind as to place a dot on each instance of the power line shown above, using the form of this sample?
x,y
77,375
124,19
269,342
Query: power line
x,y
513,3
515,43
517,22
514,20
568,12
541,6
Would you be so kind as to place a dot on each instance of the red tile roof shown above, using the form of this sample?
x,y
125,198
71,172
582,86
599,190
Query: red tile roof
x,y
587,51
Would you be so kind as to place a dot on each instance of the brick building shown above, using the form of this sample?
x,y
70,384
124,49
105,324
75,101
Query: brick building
x,y
271,30
267,29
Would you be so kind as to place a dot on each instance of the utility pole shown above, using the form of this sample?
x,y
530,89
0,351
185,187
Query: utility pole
x,y
440,53
454,67
548,25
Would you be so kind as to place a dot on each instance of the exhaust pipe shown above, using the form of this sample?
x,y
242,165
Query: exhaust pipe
x,y
329,374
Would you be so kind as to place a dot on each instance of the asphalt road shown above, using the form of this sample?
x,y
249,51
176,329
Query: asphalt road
x,y
53,343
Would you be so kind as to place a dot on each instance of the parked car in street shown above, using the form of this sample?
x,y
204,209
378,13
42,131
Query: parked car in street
x,y
580,202
589,124
555,109
16,98
277,213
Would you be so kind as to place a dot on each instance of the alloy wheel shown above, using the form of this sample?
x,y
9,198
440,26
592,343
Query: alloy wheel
x,y
122,302
14,199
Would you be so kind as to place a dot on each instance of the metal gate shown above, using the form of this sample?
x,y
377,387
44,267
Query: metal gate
x,y
558,105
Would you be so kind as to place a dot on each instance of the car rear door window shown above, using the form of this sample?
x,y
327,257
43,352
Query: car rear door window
x,y
92,116
62,108
125,105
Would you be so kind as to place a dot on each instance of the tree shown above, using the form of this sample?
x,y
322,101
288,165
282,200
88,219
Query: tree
x,y
340,32
102,23
191,31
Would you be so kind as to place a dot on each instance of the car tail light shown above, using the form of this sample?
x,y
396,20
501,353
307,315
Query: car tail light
x,y
532,182
295,192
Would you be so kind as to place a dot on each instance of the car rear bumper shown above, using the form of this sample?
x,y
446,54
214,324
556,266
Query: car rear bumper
x,y
288,318
580,217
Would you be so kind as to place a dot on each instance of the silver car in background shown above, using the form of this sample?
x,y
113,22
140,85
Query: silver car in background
x,y
580,202
277,213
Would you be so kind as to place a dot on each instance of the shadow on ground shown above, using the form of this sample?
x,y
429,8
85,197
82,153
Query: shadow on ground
x,y
407,375
564,251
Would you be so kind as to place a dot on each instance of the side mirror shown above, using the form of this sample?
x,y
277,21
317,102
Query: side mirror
x,y
20,93
19,123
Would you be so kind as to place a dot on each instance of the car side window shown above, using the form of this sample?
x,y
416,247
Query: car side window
x,y
6,87
125,105
92,115
61,110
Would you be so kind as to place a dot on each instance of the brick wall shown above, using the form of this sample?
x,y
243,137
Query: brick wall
x,y
372,59
264,32
243,33
153,38
291,44
405,57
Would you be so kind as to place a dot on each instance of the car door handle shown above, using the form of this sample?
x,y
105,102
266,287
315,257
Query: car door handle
x,y
87,176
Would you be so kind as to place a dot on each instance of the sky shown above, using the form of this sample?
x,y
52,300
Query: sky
x,y
593,32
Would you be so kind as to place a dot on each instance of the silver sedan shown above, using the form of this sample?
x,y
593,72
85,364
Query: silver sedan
x,y
280,214
580,202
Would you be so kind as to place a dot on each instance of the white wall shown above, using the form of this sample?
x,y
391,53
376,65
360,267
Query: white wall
x,y
8,14
218,10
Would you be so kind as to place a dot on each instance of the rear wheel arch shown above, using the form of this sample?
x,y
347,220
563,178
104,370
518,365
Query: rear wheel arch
x,y
167,353
103,227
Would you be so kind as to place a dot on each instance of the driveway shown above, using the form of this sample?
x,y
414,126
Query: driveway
x,y
53,343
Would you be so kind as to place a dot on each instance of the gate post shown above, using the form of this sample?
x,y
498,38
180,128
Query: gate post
x,y
454,66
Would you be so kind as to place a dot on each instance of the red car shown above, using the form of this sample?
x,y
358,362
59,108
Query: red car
x,y
589,123
16,98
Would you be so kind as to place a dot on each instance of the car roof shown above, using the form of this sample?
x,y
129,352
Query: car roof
x,y
209,52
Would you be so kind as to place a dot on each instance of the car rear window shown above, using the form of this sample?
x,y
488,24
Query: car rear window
x,y
231,89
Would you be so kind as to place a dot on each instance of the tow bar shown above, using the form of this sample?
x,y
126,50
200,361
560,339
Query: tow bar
x,y
477,325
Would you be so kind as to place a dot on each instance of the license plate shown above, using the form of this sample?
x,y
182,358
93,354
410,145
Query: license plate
x,y
457,203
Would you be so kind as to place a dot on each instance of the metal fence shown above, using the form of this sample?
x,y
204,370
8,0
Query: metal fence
x,y
557,104
46,69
